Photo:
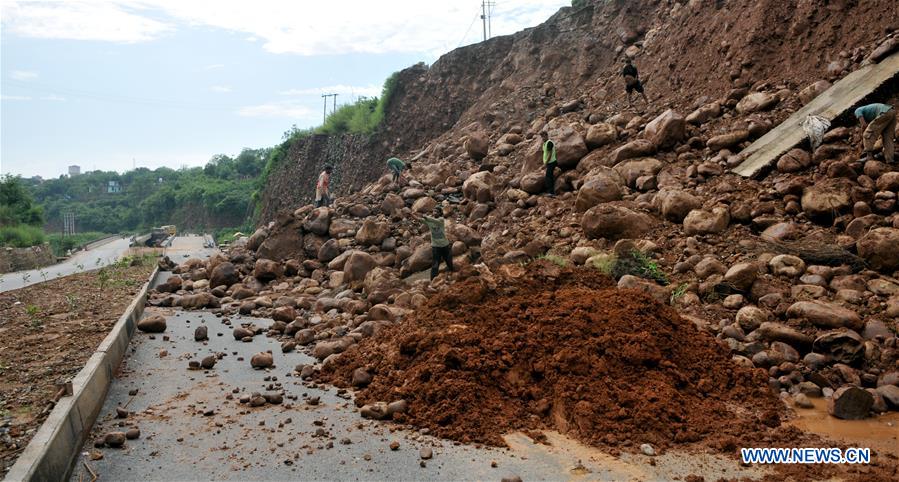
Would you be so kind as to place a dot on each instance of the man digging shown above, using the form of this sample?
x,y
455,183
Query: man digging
x,y
877,120
440,245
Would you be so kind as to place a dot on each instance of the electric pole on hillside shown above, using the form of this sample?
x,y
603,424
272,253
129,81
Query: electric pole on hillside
x,y
486,11
325,105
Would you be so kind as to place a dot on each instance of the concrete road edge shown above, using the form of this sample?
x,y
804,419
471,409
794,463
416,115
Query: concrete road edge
x,y
54,448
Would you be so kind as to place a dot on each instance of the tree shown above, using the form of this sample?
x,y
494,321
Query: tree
x,y
16,204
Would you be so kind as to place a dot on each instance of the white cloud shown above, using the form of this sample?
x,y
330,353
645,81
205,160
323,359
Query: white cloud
x,y
213,66
114,21
278,109
353,91
252,39
23,75
305,28
221,89
14,97
53,97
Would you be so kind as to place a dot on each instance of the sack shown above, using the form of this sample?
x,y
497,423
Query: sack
x,y
815,126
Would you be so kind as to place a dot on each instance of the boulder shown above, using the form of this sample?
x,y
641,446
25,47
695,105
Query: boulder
x,y
601,185
742,275
152,324
479,186
267,270
392,204
666,130
809,93
283,244
262,360
329,250
880,249
787,265
198,301
728,140
318,221
359,210
570,146
635,148
850,403
373,232
357,265
634,169
794,160
224,274
890,394
171,285
675,204
423,205
533,182
773,331
476,145
420,260
756,102
704,113
843,346
601,134
825,315
615,222
826,200
256,239
699,221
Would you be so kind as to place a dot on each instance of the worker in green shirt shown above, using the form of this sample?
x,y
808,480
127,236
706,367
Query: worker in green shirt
x,y
397,167
877,120
440,246
549,160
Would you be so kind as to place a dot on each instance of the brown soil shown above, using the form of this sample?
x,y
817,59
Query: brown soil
x,y
560,349
47,333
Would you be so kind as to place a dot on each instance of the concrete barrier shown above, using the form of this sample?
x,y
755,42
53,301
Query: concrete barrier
x,y
54,449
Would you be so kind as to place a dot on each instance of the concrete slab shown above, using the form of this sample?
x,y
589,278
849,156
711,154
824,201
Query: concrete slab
x,y
842,96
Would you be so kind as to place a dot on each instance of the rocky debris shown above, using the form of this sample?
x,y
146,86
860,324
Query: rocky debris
x,y
825,315
880,248
267,270
201,333
614,222
262,360
114,439
476,145
601,134
132,433
171,285
224,274
152,324
700,221
666,130
208,362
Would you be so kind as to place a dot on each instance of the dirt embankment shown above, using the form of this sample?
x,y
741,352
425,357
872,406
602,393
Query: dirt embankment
x,y
564,350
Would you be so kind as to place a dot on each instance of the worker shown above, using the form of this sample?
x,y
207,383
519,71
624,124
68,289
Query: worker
x,y
632,81
322,193
440,246
549,161
877,120
397,167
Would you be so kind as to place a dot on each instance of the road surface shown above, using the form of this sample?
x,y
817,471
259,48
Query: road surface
x,y
98,257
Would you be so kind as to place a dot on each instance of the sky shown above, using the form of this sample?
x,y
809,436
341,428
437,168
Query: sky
x,y
116,84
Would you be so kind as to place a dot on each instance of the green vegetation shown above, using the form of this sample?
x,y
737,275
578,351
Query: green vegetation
x,y
226,235
635,264
555,259
362,116
62,244
21,236
578,3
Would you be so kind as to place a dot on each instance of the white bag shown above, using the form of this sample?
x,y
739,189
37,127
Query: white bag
x,y
815,126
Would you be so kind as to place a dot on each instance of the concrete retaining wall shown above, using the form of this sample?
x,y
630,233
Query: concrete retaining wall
x,y
54,449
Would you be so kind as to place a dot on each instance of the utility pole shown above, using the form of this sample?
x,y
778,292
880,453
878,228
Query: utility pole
x,y
325,105
486,11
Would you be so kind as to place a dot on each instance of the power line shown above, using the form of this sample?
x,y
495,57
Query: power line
x,y
473,20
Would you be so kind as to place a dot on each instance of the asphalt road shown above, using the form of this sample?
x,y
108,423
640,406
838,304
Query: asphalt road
x,y
95,258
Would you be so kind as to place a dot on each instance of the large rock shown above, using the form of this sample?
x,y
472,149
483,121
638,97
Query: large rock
x,y
809,93
479,186
843,346
850,403
283,244
392,204
704,114
601,134
533,182
828,199
570,146
329,250
728,140
256,239
699,221
372,232
476,145
224,274
357,265
171,285
267,270
615,222
318,221
675,204
757,101
742,275
380,283
825,315
152,324
880,249
635,148
420,260
772,331
666,130
600,186
794,160
424,205
634,169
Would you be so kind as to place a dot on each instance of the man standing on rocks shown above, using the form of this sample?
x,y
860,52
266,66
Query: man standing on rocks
x,y
322,194
549,160
632,81
397,167
877,120
440,246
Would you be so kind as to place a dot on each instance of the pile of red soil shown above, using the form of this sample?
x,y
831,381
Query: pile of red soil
x,y
560,349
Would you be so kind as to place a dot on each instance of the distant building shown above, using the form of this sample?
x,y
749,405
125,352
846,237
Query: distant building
x,y
113,186
74,170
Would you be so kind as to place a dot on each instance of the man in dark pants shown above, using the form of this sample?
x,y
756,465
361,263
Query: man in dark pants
x,y
632,81
440,246
549,161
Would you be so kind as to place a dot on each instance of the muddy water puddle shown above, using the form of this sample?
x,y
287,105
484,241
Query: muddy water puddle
x,y
880,432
